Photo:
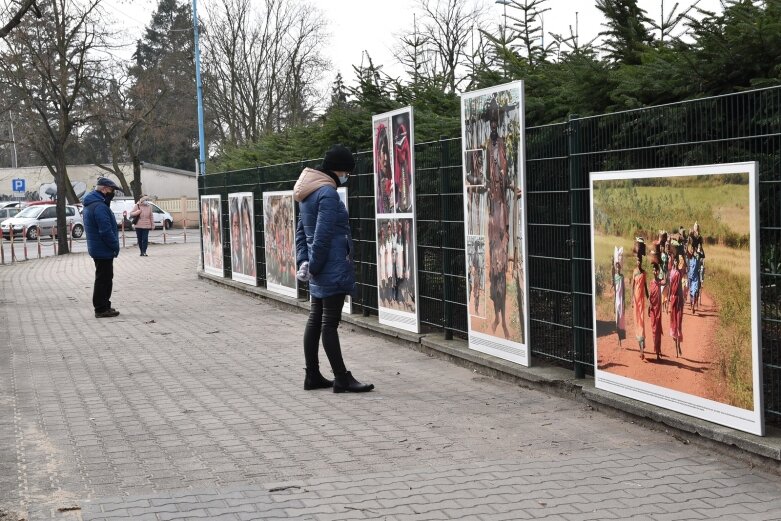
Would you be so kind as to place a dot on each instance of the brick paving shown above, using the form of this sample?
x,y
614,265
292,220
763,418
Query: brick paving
x,y
189,405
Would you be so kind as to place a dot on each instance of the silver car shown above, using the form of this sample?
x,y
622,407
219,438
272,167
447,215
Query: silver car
x,y
40,220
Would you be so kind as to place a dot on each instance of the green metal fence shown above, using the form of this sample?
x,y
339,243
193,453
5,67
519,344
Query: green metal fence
x,y
738,127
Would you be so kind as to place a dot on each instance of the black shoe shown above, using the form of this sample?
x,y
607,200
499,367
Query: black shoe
x,y
315,380
347,384
111,312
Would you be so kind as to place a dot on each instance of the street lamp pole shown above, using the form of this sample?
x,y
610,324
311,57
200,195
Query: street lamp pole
x,y
199,89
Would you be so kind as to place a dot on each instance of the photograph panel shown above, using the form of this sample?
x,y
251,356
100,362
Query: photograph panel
x,y
279,227
385,191
211,233
673,290
492,137
403,166
242,237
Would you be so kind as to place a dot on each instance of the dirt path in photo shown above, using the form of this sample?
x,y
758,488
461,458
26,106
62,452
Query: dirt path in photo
x,y
691,373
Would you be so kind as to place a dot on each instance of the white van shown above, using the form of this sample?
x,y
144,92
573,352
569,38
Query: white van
x,y
121,207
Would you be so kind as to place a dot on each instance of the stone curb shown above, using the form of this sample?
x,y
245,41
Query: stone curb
x,y
553,379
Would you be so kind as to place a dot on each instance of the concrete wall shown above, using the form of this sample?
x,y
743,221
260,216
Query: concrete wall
x,y
157,181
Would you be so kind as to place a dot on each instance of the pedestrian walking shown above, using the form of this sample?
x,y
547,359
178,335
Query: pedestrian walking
x,y
144,221
324,258
102,243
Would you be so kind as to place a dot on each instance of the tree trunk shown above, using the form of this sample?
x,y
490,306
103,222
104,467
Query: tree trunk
x,y
62,184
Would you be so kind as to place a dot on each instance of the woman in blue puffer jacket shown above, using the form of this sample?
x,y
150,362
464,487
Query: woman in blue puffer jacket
x,y
324,258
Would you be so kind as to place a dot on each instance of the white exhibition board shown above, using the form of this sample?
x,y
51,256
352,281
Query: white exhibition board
x,y
689,341
348,300
279,227
493,138
211,235
241,226
394,196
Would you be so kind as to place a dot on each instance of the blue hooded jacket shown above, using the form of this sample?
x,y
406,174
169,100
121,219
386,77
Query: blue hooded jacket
x,y
100,227
323,235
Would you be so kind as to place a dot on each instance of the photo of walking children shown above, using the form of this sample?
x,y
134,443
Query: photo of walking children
x,y
689,336
395,264
211,234
493,210
279,233
242,237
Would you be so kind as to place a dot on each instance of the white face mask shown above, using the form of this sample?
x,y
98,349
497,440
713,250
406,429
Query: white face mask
x,y
343,179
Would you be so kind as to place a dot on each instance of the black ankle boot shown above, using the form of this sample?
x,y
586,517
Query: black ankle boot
x,y
347,384
315,380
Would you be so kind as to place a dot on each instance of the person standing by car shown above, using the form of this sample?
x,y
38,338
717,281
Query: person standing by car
x,y
102,243
324,258
145,222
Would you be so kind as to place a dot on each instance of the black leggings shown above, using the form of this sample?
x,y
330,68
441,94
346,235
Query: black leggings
x,y
324,317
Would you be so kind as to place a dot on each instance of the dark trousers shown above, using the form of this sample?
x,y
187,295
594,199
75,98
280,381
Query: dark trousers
x,y
324,317
142,235
104,282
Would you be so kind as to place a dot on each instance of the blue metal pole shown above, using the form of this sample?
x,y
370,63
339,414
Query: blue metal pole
x,y
199,87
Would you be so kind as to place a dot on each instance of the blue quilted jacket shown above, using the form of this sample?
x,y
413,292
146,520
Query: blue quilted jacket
x,y
323,235
100,226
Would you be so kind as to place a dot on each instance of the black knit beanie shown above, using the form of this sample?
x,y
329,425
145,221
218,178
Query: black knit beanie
x,y
338,159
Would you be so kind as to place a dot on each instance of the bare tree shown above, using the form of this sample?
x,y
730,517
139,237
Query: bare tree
x,y
125,114
22,7
49,67
260,66
440,45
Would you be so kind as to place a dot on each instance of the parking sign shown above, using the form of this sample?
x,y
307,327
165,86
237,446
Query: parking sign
x,y
17,185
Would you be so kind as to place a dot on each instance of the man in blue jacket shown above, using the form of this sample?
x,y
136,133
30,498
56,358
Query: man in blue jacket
x,y
102,243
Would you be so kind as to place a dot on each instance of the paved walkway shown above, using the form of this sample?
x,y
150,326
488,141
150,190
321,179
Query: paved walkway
x,y
190,406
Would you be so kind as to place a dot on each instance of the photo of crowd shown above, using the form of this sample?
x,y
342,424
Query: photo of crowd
x,y
211,234
279,227
494,213
672,283
396,264
242,237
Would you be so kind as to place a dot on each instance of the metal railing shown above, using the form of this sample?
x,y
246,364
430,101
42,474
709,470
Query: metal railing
x,y
559,157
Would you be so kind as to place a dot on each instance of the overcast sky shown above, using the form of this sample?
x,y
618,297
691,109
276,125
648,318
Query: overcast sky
x,y
373,26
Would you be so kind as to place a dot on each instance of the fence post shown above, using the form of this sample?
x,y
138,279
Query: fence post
x,y
447,312
362,235
575,201
2,245
24,242
13,251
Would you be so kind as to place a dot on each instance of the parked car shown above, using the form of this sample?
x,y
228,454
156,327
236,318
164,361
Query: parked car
x,y
11,204
122,207
40,220
8,212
